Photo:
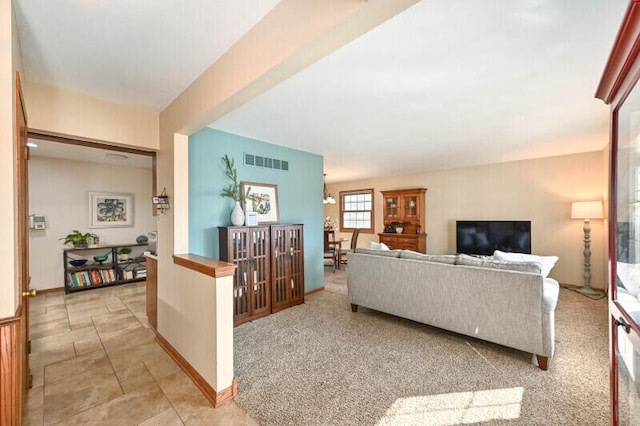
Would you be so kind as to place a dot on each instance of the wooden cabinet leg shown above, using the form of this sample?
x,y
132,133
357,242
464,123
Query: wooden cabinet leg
x,y
354,308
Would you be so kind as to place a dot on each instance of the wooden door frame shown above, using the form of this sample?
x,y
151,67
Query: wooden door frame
x,y
620,76
72,140
14,363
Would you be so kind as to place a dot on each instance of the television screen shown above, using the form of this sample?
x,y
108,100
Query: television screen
x,y
483,237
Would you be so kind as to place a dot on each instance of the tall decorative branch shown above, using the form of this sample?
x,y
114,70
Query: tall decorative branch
x,y
233,190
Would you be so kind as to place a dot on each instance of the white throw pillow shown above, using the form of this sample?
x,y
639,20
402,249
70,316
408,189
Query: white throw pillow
x,y
629,276
547,262
377,246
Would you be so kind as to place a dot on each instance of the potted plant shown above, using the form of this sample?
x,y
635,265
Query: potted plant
x,y
123,253
233,191
78,239
399,227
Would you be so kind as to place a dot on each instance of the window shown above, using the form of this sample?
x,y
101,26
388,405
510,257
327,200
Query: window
x,y
356,210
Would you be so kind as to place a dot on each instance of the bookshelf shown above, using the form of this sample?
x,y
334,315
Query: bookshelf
x,y
112,271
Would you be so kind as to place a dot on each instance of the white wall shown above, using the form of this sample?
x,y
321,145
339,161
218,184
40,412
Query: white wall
x,y
59,111
539,190
59,190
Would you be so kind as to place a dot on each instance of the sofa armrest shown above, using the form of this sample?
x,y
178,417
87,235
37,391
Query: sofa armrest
x,y
550,293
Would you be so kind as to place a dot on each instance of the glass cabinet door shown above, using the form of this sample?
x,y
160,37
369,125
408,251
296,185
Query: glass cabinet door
x,y
625,258
391,207
410,206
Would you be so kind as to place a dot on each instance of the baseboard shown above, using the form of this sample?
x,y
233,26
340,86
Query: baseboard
x,y
569,286
50,290
315,290
577,287
215,398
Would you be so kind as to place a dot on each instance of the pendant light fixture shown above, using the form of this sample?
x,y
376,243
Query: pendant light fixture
x,y
327,198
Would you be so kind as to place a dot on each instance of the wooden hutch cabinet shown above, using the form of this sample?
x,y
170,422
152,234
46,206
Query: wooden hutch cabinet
x,y
270,268
287,266
406,206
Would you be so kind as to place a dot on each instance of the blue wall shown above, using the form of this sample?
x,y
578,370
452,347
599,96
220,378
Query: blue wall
x,y
299,193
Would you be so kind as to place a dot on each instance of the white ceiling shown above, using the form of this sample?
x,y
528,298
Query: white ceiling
x,y
446,83
141,53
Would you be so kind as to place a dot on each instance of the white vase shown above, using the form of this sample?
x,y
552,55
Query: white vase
x,y
237,215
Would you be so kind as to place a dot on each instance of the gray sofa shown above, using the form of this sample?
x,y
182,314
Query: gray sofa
x,y
503,306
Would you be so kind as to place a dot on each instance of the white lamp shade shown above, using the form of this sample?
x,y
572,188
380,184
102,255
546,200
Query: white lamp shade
x,y
586,210
329,200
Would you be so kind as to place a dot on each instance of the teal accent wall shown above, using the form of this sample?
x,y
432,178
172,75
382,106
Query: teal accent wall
x,y
299,193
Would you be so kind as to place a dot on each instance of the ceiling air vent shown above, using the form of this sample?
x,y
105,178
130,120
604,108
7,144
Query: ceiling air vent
x,y
266,162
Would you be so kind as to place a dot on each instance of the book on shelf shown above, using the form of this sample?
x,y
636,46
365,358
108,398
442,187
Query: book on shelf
x,y
95,277
100,273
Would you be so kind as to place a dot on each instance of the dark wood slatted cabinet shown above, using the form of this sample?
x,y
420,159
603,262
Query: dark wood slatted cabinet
x,y
287,266
270,268
248,247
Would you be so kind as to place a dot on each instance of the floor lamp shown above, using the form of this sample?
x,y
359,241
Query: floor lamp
x,y
587,210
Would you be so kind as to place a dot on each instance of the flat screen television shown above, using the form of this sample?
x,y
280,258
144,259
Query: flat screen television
x,y
483,237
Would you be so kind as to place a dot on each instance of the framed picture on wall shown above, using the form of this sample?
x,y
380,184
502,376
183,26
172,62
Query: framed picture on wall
x,y
110,210
261,198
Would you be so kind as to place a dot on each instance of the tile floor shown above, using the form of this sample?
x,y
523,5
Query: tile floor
x,y
94,361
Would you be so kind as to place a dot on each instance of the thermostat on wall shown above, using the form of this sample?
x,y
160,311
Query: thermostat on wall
x,y
36,221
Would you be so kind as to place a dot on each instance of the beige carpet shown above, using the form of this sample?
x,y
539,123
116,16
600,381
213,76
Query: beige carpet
x,y
321,364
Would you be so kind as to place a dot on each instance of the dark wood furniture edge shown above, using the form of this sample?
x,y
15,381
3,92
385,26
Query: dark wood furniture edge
x,y
625,49
354,307
205,265
275,309
215,398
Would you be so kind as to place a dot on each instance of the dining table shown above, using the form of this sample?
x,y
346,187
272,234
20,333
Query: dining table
x,y
338,247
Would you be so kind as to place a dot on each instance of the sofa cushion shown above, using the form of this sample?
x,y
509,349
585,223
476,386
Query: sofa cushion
x,y
547,262
386,253
520,266
439,258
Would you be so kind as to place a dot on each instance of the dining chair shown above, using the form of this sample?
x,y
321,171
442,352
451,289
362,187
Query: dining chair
x,y
330,252
352,246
